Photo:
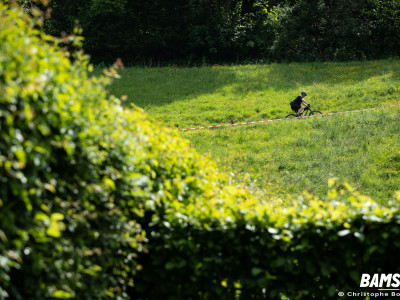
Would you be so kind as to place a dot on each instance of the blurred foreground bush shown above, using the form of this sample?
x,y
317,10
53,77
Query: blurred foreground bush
x,y
301,249
98,202
77,171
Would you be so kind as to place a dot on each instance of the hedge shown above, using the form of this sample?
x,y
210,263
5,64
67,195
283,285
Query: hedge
x,y
96,201
78,171
304,249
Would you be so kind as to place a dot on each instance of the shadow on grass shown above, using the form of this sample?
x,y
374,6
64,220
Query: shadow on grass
x,y
147,87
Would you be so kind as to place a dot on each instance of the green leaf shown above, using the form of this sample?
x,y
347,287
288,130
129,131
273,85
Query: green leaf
x,y
53,230
60,294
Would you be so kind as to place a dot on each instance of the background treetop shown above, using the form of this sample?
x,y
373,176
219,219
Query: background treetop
x,y
226,31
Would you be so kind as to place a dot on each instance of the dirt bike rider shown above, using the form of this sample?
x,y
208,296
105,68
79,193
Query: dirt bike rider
x,y
296,104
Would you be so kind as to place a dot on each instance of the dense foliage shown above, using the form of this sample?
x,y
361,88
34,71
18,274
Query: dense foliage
x,y
232,30
307,250
338,30
77,172
91,193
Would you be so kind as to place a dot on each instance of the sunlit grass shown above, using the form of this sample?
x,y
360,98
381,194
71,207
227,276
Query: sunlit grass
x,y
362,149
187,97
291,156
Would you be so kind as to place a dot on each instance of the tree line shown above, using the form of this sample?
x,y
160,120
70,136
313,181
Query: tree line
x,y
215,31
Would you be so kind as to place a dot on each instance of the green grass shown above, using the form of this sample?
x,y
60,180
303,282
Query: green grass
x,y
293,156
283,157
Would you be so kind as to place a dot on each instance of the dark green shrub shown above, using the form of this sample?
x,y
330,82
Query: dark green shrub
x,y
310,30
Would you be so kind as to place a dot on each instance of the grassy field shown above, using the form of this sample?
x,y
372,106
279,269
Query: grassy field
x,y
362,149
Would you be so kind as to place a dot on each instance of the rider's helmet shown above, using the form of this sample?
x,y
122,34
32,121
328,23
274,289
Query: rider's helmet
x,y
303,93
